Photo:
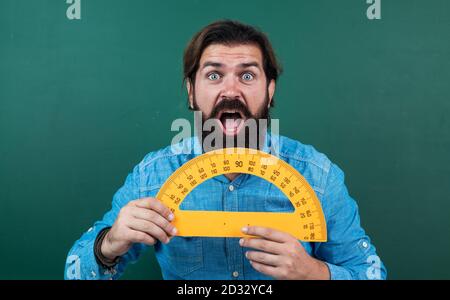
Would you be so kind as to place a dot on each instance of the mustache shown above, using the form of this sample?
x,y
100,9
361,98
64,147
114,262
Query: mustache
x,y
231,104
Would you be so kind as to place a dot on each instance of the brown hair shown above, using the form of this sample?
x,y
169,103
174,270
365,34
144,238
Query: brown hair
x,y
228,32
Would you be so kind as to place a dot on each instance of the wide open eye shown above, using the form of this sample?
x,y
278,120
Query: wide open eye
x,y
247,76
213,76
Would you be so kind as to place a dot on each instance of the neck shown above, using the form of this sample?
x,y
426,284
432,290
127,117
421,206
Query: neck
x,y
231,176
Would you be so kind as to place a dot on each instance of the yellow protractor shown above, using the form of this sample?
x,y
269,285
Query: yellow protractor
x,y
306,222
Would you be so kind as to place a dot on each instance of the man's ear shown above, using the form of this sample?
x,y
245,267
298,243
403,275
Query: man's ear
x,y
271,89
190,92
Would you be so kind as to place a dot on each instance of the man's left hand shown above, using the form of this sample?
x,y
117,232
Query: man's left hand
x,y
281,255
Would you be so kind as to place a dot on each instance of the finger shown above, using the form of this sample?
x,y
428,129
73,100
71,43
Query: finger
x,y
265,269
152,216
156,205
262,245
263,258
141,237
267,233
150,228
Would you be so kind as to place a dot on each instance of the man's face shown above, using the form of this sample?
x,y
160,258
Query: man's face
x,y
231,86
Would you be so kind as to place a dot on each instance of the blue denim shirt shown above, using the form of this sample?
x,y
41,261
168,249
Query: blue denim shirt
x,y
348,253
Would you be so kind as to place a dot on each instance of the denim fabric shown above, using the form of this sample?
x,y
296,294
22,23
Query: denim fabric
x,y
348,253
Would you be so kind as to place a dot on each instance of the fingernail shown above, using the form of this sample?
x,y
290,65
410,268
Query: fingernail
x,y
174,231
246,254
241,242
244,229
171,216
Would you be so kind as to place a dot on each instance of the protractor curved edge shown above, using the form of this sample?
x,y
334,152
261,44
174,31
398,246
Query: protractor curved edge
x,y
307,222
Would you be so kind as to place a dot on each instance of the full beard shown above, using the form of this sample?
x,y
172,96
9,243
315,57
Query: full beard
x,y
252,133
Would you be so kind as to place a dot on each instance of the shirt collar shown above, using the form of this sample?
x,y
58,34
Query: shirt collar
x,y
270,145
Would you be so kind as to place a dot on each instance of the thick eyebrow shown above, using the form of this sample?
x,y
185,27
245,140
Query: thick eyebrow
x,y
250,64
241,66
212,64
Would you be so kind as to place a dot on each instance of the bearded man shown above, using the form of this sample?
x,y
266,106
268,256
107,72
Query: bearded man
x,y
230,71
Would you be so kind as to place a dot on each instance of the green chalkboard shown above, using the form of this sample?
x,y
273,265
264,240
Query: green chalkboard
x,y
83,100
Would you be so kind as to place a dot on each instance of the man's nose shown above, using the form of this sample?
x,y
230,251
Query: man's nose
x,y
231,88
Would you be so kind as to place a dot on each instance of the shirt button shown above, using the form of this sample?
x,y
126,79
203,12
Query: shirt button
x,y
365,245
235,274
231,188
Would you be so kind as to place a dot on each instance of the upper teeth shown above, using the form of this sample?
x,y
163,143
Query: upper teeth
x,y
232,112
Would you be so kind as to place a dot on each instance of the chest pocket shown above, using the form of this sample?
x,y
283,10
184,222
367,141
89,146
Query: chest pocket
x,y
184,255
276,201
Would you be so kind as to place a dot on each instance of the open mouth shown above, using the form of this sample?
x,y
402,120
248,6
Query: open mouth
x,y
231,121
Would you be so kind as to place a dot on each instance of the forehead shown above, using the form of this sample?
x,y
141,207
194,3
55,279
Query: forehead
x,y
231,55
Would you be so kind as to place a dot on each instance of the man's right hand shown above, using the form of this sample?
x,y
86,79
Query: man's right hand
x,y
145,220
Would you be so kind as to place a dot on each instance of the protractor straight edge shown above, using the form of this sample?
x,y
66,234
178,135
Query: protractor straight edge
x,y
306,222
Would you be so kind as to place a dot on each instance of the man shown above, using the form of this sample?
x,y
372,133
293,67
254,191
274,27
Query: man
x,y
230,72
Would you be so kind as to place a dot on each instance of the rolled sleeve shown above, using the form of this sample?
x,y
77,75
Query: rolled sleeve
x,y
348,251
338,273
81,262
82,265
